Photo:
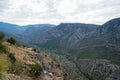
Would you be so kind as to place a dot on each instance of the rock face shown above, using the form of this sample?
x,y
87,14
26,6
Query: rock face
x,y
52,69
99,69
112,30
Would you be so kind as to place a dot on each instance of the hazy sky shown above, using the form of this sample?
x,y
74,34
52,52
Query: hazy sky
x,y
56,11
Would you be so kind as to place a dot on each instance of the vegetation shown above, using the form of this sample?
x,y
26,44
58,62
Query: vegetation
x,y
4,64
34,49
52,44
2,35
12,58
6,58
2,48
89,76
11,40
35,69
16,68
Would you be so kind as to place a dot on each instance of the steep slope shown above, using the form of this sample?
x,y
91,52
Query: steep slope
x,y
34,30
97,53
26,57
104,42
64,34
106,35
112,30
99,69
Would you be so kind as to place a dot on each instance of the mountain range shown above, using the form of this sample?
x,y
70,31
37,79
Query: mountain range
x,y
91,48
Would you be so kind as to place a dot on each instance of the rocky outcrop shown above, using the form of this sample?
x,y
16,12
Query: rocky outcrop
x,y
99,69
52,68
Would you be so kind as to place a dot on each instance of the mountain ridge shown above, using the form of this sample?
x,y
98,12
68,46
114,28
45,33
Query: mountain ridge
x,y
97,46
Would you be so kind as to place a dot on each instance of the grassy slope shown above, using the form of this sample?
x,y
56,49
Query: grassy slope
x,y
4,64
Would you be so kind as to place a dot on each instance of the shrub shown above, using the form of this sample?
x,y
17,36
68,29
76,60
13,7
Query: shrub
x,y
16,68
24,45
2,48
2,35
34,49
35,69
12,58
11,40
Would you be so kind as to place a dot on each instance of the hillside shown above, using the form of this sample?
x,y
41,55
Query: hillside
x,y
20,70
22,33
63,34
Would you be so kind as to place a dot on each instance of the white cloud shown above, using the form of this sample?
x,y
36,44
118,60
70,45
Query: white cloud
x,y
57,11
66,6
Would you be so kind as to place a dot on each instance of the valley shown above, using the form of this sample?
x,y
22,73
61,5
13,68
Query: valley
x,y
82,51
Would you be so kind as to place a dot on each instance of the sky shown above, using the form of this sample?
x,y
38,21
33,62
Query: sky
x,y
23,12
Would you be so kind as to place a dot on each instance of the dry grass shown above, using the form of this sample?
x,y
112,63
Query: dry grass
x,y
4,64
27,56
21,53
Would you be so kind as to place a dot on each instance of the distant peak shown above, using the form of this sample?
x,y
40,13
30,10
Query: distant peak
x,y
115,21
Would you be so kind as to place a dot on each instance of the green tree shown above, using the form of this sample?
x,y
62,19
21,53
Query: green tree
x,y
11,40
35,69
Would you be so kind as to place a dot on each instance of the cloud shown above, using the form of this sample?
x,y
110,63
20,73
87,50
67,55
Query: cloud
x,y
56,11
4,4
66,6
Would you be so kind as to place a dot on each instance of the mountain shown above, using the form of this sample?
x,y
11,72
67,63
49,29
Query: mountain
x,y
63,34
11,28
107,34
97,54
101,43
22,33
85,51
34,30
112,30
78,42
76,36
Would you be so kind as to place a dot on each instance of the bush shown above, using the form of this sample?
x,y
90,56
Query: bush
x,y
34,49
35,69
12,58
24,45
2,48
16,68
2,35
11,40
